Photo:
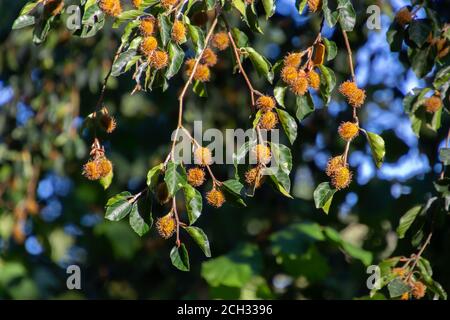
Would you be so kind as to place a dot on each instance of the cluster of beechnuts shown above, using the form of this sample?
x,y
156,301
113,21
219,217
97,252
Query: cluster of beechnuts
x,y
301,72
403,18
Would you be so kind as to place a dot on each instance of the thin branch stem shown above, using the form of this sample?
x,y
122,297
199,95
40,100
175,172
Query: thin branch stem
x,y
194,69
347,148
108,75
418,255
177,220
237,55
349,52
208,167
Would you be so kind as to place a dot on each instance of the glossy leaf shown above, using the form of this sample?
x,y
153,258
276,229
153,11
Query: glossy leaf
x,y
23,21
323,196
106,181
197,36
305,106
327,83
261,64
165,28
280,92
407,220
269,7
137,223
118,207
200,238
376,143
330,49
194,203
347,15
397,287
180,258
152,176
174,180
119,66
288,123
176,55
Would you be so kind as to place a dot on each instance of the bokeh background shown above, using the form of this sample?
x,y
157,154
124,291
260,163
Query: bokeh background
x,y
47,91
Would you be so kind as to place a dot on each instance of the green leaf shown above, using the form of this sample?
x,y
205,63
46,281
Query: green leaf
x,y
194,204
288,123
210,4
347,15
419,30
330,49
436,287
239,37
295,239
174,180
240,6
119,66
280,180
233,186
323,196
125,16
234,269
280,92
180,258
327,83
41,30
282,156
301,4
106,181
152,176
176,55
394,37
23,21
93,20
257,118
353,251
200,238
436,120
422,60
442,77
444,156
378,149
128,30
165,28
269,7
330,17
28,7
261,64
137,223
147,3
305,106
239,156
197,36
251,18
199,88
233,191
118,206
407,220
397,287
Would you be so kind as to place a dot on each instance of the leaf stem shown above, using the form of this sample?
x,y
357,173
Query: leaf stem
x,y
237,55
177,220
